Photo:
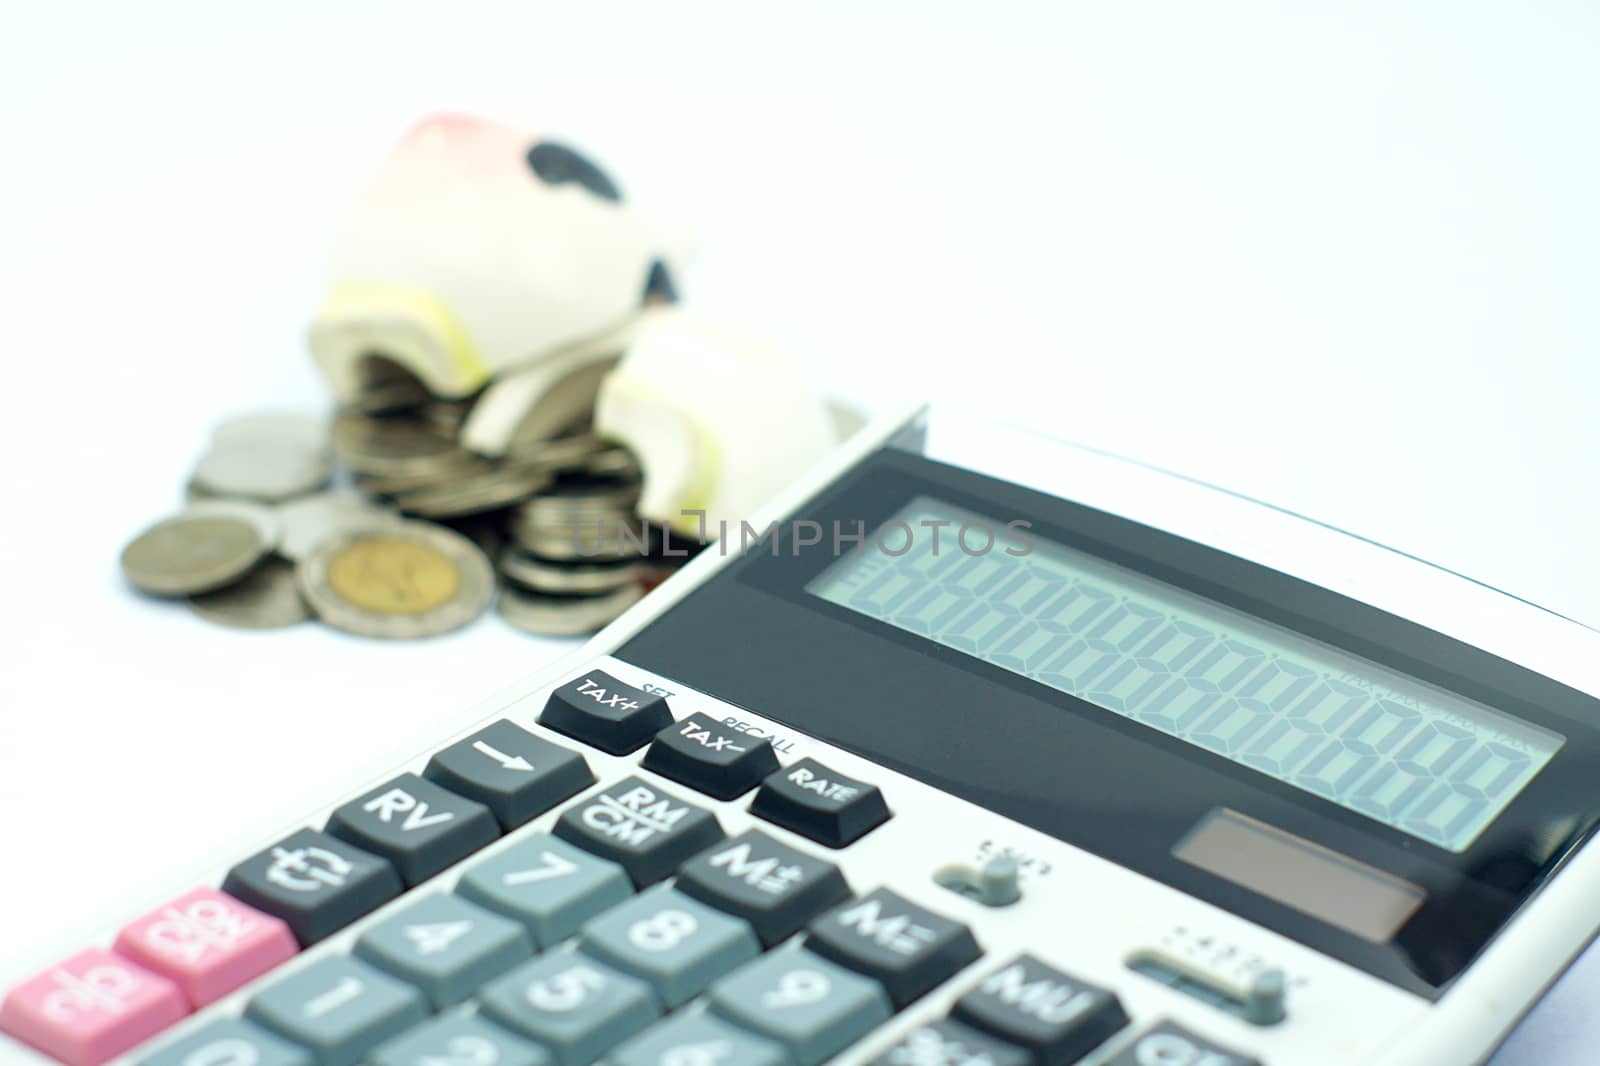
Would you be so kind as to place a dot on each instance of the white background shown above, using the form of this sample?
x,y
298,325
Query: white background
x,y
1339,256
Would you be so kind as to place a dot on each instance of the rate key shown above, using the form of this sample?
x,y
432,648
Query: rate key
x,y
822,804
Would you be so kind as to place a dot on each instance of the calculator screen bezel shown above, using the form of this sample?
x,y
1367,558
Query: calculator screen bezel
x,y
754,636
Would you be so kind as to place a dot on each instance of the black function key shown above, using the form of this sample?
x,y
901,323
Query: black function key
x,y
644,830
714,758
767,883
602,711
948,1043
515,774
1057,1018
316,884
1168,1044
905,948
416,825
819,803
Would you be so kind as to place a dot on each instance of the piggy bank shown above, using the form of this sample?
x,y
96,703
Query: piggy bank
x,y
483,255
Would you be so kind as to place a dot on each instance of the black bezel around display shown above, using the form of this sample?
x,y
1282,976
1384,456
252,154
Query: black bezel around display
x,y
755,637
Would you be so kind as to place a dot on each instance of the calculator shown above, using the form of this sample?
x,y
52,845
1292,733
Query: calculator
x,y
976,749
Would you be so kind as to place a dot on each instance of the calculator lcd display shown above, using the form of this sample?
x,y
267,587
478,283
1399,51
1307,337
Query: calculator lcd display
x,y
1413,756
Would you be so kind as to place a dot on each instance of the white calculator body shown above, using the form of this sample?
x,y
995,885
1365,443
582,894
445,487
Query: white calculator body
x,y
1125,770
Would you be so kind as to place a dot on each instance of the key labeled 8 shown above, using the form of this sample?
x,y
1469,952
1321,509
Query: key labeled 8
x,y
663,931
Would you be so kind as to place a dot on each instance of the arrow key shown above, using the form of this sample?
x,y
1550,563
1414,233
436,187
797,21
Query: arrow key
x,y
445,946
416,825
515,774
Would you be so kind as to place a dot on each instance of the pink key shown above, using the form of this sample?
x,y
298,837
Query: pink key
x,y
91,1007
207,942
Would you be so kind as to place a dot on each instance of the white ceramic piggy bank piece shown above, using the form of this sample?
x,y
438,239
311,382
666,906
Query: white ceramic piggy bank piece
x,y
477,251
719,421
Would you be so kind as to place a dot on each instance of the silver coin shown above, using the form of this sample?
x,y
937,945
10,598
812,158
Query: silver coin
x,y
505,484
193,552
543,575
598,541
438,477
269,472
265,598
563,505
397,580
260,515
310,520
391,396
581,453
566,616
394,447
294,429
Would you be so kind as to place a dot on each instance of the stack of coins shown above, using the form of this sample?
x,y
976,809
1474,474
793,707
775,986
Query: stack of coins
x,y
414,546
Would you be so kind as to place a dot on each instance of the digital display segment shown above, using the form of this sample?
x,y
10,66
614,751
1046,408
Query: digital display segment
x,y
1413,756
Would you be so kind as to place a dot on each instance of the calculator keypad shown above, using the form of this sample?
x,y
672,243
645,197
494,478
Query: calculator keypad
x,y
633,930
418,826
577,1007
231,1042
207,943
1169,1042
315,883
693,1038
711,757
515,774
91,1007
820,804
445,946
774,887
461,1038
905,948
811,1006
606,713
1057,1018
677,944
547,884
646,831
339,1008
949,1043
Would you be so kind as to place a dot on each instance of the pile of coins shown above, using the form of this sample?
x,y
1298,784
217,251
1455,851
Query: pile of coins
x,y
412,541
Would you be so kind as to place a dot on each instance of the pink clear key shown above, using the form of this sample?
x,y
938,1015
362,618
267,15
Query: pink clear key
x,y
208,943
91,1007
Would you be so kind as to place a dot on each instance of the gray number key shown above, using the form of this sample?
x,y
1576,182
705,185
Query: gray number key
x,y
547,884
573,1005
230,1042
458,1039
339,1008
697,1039
445,946
677,944
812,1006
